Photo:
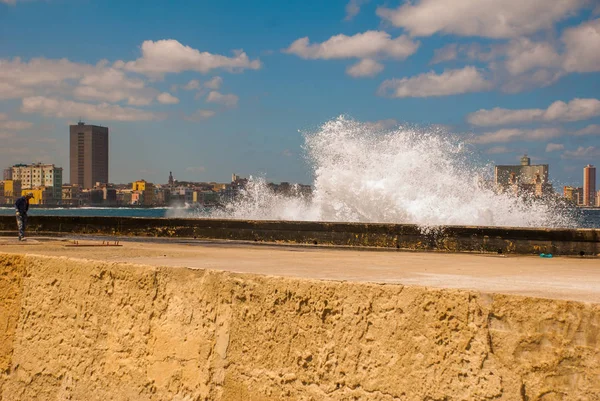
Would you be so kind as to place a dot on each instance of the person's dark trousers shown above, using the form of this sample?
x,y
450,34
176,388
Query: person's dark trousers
x,y
22,224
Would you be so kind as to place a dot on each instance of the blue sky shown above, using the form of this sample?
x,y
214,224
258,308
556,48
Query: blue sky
x,y
206,88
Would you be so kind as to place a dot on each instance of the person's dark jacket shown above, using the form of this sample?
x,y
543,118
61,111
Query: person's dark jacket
x,y
22,205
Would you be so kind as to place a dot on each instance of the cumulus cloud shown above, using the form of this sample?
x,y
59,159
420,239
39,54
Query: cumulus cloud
x,y
507,135
200,115
194,84
523,55
581,152
582,47
450,82
15,125
446,53
553,147
365,68
167,98
353,8
487,18
592,129
19,78
228,100
523,63
214,83
113,85
370,44
43,76
53,107
496,150
170,56
575,110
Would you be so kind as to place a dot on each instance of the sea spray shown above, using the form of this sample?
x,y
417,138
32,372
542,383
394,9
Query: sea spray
x,y
403,175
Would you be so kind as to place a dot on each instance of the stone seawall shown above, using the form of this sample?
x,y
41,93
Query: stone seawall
x,y
88,330
397,236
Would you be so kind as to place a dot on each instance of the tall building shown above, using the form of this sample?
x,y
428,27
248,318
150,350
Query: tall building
x,y
39,175
523,178
88,155
589,185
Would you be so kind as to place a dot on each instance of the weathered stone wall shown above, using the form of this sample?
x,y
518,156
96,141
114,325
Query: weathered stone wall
x,y
87,330
508,240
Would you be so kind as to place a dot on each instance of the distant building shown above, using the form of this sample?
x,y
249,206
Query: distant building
x,y
589,185
569,193
41,196
579,195
142,193
11,190
523,178
40,175
88,154
7,174
71,195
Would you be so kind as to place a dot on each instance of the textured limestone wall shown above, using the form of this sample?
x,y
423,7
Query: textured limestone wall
x,y
87,330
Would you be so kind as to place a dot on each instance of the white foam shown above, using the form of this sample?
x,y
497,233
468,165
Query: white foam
x,y
404,175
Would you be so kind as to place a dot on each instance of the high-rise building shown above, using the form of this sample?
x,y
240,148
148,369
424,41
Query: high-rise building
x,y
589,185
39,175
88,155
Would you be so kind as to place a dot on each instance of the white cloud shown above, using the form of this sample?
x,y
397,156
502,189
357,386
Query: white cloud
x,y
19,79
194,84
446,53
582,152
593,129
450,82
170,56
487,18
365,68
353,8
496,150
575,110
370,44
200,115
553,147
582,47
15,125
228,100
167,98
214,83
42,76
52,107
523,55
507,135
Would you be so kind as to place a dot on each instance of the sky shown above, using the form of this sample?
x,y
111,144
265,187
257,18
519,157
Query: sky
x,y
209,88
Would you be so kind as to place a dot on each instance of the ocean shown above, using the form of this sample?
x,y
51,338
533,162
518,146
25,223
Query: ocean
x,y
589,218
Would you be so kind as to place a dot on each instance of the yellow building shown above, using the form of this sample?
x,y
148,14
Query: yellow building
x,y
146,191
41,195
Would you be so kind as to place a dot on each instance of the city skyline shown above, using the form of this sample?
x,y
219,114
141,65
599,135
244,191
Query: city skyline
x,y
179,94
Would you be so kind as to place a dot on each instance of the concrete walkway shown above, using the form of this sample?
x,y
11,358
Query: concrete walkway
x,y
559,278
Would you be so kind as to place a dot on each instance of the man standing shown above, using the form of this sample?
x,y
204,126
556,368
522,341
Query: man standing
x,y
21,208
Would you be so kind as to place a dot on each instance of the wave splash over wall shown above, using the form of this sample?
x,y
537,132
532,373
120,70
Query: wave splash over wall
x,y
402,175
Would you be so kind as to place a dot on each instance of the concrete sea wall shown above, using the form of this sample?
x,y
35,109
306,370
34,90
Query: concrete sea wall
x,y
89,330
397,236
